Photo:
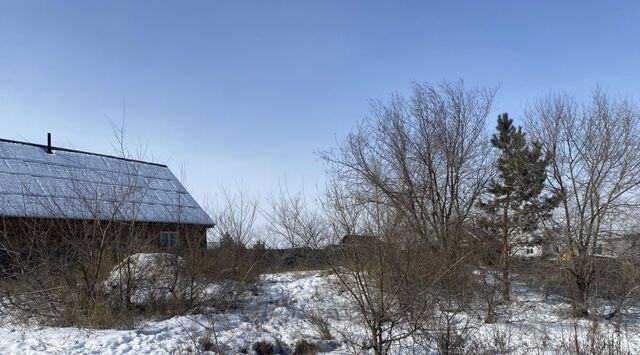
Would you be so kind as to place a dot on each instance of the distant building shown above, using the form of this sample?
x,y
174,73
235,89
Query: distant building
x,y
526,245
606,246
521,244
42,186
618,246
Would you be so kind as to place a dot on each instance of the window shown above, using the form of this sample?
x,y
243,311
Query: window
x,y
529,250
168,240
598,250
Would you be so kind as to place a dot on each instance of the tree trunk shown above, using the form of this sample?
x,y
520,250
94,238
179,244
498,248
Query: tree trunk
x,y
491,313
506,284
583,285
377,340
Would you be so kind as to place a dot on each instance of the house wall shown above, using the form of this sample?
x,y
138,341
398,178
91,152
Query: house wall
x,y
526,250
21,234
617,247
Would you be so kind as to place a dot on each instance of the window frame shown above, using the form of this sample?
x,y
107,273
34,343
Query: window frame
x,y
599,249
169,239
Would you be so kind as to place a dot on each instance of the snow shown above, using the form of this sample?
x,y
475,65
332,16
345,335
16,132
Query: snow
x,y
275,314
278,310
152,275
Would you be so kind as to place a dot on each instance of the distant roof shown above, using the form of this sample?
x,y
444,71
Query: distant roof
x,y
81,185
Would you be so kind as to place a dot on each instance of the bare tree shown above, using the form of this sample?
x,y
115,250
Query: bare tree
x,y
596,170
404,186
427,156
237,215
236,227
295,221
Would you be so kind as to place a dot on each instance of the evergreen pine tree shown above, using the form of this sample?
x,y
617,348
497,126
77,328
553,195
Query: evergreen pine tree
x,y
516,200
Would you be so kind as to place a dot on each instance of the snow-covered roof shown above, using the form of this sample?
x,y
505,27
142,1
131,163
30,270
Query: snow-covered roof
x,y
79,185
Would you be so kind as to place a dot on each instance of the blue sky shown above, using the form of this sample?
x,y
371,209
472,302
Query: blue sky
x,y
244,92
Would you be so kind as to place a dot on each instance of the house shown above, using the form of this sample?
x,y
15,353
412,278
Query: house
x,y
526,245
612,246
608,245
521,244
61,191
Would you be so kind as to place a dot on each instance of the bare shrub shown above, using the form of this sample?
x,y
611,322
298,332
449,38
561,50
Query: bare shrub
x,y
294,221
263,348
321,325
57,278
304,347
236,228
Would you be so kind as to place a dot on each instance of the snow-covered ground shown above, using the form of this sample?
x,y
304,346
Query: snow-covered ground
x,y
279,310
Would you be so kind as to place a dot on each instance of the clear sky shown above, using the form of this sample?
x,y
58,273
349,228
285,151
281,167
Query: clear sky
x,y
244,92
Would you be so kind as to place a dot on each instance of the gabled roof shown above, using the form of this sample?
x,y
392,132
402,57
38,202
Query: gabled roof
x,y
80,185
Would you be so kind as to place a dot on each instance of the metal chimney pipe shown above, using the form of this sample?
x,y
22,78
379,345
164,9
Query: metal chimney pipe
x,y
49,150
